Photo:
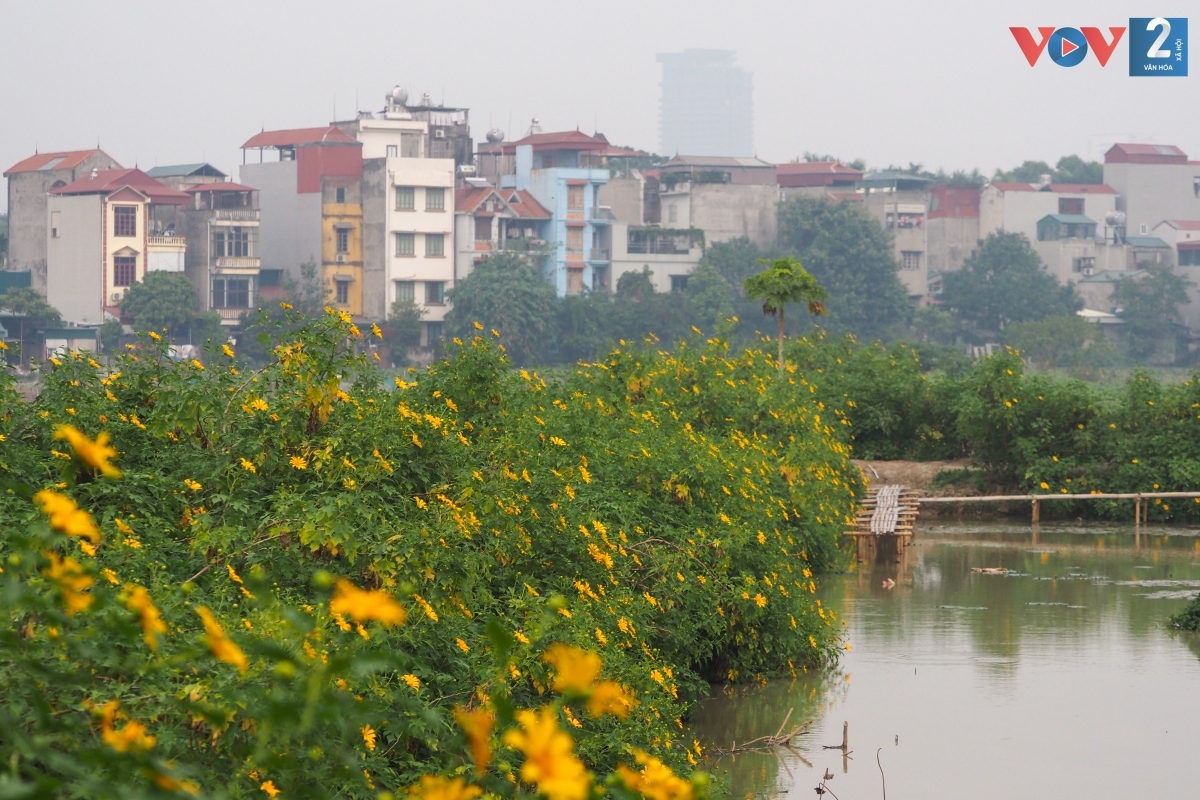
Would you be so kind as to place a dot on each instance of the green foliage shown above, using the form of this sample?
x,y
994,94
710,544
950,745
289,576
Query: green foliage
x,y
402,330
850,254
1056,342
1004,282
161,301
110,334
784,282
1069,169
709,297
29,311
505,292
1189,618
1149,306
664,509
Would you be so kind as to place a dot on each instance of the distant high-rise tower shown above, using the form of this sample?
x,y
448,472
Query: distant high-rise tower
x,y
707,104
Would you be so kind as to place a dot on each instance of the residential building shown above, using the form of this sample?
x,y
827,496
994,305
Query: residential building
x,y
105,231
408,250
29,183
707,104
564,171
951,227
816,178
1154,182
899,201
671,255
726,197
310,209
181,176
1017,207
1183,235
1071,251
221,223
489,220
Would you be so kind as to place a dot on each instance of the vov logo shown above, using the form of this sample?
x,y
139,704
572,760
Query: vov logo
x,y
1067,47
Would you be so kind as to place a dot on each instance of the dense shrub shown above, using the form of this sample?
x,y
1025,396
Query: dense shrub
x,y
666,510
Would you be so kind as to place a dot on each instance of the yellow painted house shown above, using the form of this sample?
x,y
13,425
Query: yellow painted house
x,y
342,243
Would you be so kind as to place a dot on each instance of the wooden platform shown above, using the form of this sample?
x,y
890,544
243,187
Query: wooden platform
x,y
887,511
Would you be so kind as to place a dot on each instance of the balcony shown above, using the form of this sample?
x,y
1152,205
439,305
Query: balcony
x,y
167,243
236,214
237,262
601,215
231,315
598,256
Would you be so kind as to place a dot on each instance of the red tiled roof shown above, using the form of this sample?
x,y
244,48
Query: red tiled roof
x,y
112,180
561,140
1061,188
526,206
466,200
222,186
69,160
1132,153
299,136
1184,224
519,201
812,167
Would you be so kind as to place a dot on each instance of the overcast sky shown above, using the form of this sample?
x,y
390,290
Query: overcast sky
x,y
935,82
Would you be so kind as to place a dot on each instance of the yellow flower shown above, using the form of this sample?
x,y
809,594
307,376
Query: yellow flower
x,y
550,763
268,786
368,734
72,581
286,306
413,681
93,453
155,336
378,334
170,784
477,725
227,350
575,670
131,737
220,644
248,466
68,517
1044,485
139,602
438,788
363,605
195,486
298,463
656,781
760,601
609,697
196,363
466,648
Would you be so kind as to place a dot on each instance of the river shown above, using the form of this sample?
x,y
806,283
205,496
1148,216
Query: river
x,y
1057,679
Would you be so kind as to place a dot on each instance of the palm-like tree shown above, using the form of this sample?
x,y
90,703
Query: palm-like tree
x,y
783,282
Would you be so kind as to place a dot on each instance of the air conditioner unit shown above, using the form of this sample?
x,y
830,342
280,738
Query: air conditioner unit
x,y
1088,271
115,299
439,134
341,258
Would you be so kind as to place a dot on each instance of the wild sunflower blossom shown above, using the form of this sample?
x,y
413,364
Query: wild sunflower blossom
x,y
437,788
138,601
298,463
609,697
368,734
575,669
477,725
72,581
656,780
550,763
221,645
363,605
67,517
95,454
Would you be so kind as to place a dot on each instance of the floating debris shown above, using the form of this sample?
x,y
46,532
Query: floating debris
x,y
1167,594
965,608
1036,603
990,570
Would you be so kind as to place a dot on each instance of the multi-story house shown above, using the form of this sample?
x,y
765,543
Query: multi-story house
x,y
311,209
1153,182
670,254
222,228
181,176
951,229
726,197
408,209
488,220
899,201
104,232
30,182
817,179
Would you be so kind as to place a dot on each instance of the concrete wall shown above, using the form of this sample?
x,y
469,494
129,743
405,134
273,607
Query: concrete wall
x,y
27,219
75,285
624,197
165,260
1059,258
290,230
1150,193
951,241
1019,211
912,240
727,211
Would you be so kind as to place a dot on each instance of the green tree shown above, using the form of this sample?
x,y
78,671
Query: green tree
x,y
709,297
1149,306
784,282
507,292
29,311
1027,172
402,329
1068,169
850,254
110,334
1054,342
161,300
1004,282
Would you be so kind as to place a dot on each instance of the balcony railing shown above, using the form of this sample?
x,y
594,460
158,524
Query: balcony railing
x,y
236,214
601,214
160,241
237,262
598,256
231,313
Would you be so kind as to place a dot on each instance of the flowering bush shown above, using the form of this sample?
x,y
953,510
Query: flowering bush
x,y
294,582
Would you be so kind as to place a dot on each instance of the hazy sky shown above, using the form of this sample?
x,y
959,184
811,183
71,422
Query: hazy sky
x,y
929,81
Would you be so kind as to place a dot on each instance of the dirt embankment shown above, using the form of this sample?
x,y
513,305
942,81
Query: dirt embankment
x,y
917,475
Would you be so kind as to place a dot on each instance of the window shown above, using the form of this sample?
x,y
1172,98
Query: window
x,y
679,282
124,270
406,244
483,229
574,281
125,220
270,277
435,293
342,292
391,151
339,195
406,198
1084,264
433,333
672,213
911,259
575,198
231,241
1189,258
231,293
575,240
435,199
435,244
1070,205
406,292
343,240
55,223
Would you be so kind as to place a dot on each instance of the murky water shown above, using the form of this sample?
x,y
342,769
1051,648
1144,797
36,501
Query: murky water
x,y
1057,679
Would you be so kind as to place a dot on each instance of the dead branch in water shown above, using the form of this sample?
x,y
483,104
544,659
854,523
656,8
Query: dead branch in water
x,y
778,739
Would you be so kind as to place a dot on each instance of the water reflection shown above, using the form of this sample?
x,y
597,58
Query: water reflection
x,y
1051,673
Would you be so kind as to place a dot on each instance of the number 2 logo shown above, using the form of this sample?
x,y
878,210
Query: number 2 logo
x,y
1164,27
